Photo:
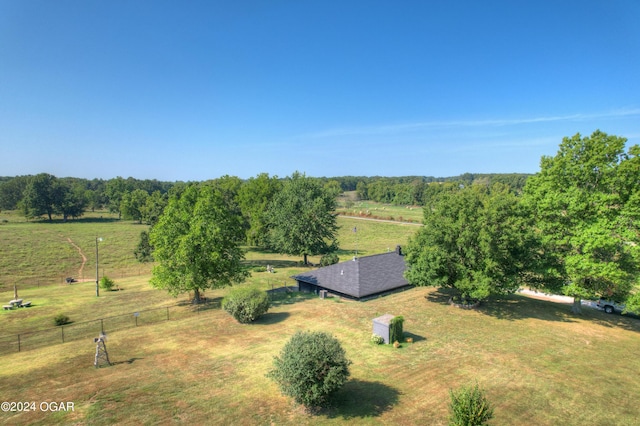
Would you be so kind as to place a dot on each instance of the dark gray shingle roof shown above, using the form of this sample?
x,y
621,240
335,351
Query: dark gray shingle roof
x,y
362,277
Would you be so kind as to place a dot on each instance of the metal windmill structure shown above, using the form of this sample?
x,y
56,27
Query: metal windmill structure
x,y
102,356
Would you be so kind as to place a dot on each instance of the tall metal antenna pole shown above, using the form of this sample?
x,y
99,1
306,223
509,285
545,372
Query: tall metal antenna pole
x,y
355,231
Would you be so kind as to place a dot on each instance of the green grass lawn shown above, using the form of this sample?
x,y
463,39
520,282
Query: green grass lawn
x,y
538,364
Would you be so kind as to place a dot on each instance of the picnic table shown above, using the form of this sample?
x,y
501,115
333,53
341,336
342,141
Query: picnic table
x,y
16,303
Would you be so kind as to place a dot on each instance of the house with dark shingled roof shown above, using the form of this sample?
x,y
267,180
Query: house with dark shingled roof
x,y
358,278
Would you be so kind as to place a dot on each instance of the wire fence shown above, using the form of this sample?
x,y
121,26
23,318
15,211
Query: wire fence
x,y
31,281
90,329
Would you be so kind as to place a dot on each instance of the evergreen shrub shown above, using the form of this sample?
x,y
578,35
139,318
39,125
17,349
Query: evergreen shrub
x,y
395,329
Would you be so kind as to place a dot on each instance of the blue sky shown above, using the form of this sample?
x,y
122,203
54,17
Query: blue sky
x,y
175,90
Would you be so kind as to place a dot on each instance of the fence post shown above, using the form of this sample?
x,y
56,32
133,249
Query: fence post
x,y
62,332
18,343
102,325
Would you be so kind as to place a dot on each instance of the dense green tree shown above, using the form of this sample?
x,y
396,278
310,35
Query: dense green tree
x,y
153,207
254,197
144,250
115,190
333,187
301,219
133,203
585,203
40,195
361,191
196,243
69,198
11,192
311,366
476,240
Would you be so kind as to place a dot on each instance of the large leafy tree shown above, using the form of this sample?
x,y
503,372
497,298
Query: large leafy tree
x,y
69,198
254,197
153,207
132,204
11,192
115,189
301,219
196,243
40,195
586,204
476,240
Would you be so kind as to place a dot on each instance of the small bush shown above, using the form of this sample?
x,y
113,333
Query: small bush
x,y
106,283
311,366
61,319
329,259
469,407
375,339
246,304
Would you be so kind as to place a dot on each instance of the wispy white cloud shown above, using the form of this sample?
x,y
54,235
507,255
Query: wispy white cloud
x,y
404,127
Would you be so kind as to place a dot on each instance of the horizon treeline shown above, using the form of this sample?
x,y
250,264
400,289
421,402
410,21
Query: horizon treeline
x,y
45,195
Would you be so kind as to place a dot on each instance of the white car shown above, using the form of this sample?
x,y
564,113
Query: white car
x,y
610,306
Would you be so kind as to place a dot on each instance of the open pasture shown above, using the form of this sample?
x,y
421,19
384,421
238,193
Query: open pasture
x,y
41,253
538,364
368,208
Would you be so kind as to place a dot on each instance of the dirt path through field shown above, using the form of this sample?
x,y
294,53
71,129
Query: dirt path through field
x,y
84,258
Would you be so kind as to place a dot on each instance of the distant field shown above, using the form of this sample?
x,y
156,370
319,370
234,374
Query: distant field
x,y
41,253
538,364
375,210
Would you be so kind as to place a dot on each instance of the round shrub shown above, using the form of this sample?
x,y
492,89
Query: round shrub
x,y
311,366
61,319
329,259
106,283
246,304
469,407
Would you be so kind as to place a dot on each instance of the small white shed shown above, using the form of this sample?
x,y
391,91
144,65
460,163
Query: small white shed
x,y
381,326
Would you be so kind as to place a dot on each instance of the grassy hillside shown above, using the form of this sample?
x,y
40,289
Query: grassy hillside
x,y
42,253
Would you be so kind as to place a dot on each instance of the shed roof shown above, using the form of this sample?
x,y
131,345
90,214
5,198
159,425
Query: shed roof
x,y
362,277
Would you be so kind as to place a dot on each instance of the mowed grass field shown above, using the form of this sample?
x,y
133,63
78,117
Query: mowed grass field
x,y
538,364
368,208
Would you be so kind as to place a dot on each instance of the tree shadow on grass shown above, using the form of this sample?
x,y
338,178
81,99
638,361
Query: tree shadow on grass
x,y
272,318
440,296
274,263
279,298
362,399
516,306
206,303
